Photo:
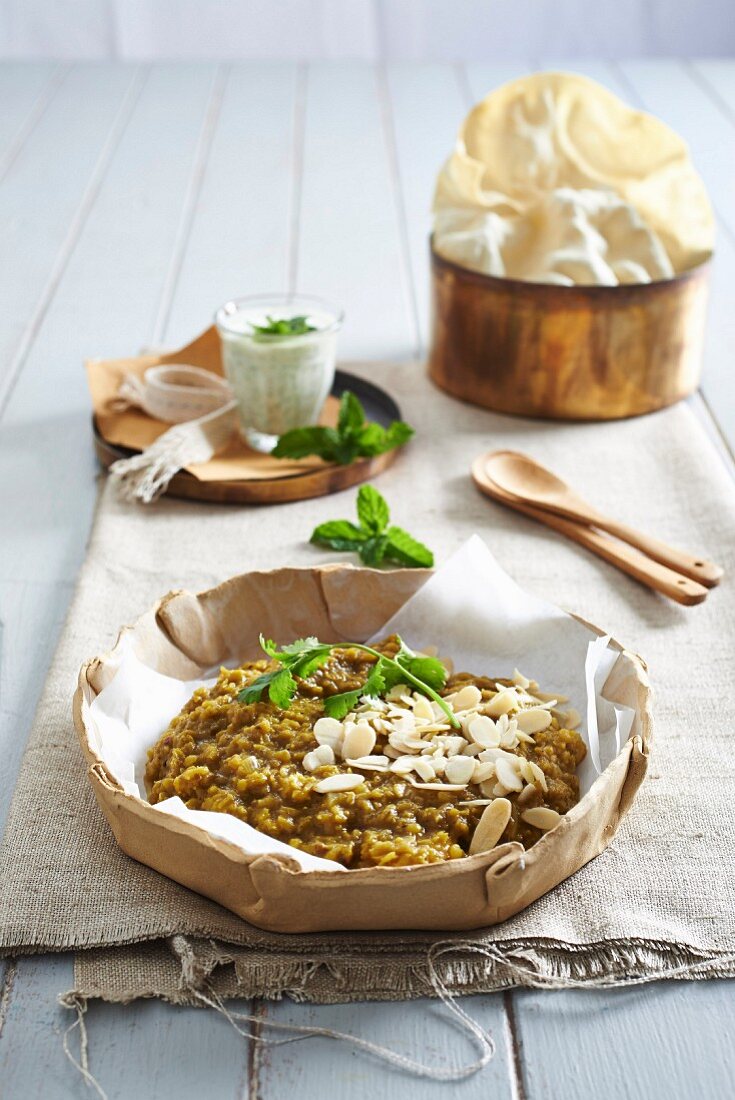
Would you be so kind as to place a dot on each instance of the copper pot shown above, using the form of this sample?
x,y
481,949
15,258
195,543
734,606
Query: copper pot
x,y
566,352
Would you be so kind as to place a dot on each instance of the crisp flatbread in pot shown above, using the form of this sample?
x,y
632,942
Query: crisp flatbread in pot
x,y
555,179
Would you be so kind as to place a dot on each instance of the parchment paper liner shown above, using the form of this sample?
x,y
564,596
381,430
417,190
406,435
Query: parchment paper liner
x,y
184,634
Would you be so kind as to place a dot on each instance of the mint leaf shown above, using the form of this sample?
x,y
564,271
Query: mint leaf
x,y
372,550
351,414
354,437
285,326
339,534
406,550
323,442
372,510
376,440
397,434
371,540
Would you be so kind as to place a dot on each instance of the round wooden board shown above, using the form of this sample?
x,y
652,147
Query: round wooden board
x,y
379,406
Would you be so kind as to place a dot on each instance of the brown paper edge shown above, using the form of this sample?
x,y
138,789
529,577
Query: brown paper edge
x,y
183,634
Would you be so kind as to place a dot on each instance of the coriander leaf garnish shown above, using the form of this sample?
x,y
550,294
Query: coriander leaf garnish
x,y
373,539
284,326
354,437
304,656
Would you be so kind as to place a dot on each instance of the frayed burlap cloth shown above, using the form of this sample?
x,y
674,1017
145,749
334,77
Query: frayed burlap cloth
x,y
661,899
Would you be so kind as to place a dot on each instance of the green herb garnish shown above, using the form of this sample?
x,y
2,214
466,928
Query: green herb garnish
x,y
354,437
375,539
285,326
304,656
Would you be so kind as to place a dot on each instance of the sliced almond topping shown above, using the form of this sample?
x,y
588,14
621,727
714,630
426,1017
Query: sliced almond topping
x,y
312,761
501,703
434,786
360,741
397,693
571,719
509,736
324,754
422,708
491,826
403,765
526,795
526,770
466,698
377,761
424,769
328,731
507,775
343,781
484,732
541,817
483,770
471,750
533,720
459,769
520,679
538,775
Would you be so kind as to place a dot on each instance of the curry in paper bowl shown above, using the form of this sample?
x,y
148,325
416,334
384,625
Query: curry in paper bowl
x,y
355,781
398,779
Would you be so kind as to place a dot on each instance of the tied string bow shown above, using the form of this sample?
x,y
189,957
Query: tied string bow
x,y
199,403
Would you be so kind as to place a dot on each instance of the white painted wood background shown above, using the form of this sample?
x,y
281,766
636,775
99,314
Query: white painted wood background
x,y
373,30
132,200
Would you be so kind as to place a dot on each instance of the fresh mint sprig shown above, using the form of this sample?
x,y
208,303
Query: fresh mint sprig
x,y
284,326
304,656
374,538
354,436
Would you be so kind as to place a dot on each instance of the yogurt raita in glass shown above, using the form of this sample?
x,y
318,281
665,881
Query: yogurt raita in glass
x,y
278,354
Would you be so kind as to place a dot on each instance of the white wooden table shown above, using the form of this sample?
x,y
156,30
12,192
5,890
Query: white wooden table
x,y
134,200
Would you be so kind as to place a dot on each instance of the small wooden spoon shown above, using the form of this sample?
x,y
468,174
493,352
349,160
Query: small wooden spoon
x,y
529,481
681,589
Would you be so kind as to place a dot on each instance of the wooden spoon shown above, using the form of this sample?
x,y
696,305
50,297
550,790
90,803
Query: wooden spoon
x,y
681,589
529,481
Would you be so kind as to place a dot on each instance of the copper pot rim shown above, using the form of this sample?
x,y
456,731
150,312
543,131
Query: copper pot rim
x,y
546,290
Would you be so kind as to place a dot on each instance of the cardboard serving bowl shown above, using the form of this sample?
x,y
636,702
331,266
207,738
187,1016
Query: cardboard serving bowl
x,y
566,352
185,636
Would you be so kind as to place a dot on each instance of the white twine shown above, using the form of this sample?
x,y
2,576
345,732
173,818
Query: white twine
x,y
201,406
72,1000
524,974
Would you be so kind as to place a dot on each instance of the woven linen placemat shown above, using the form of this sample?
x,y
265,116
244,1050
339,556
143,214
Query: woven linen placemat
x,y
660,898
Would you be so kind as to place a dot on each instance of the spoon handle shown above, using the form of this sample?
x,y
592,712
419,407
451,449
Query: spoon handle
x,y
680,588
698,569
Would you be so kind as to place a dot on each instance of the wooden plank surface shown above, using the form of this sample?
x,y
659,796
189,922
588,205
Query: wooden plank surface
x,y
134,218
166,183
25,92
46,191
350,248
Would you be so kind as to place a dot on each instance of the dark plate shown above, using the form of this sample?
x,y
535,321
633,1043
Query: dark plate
x,y
379,406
